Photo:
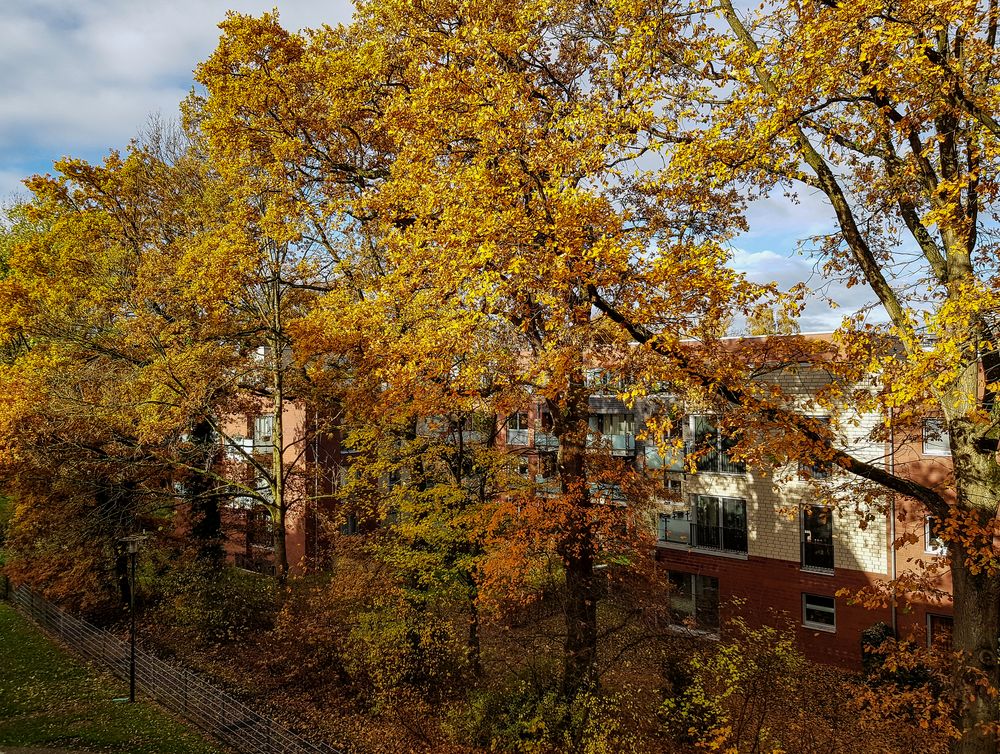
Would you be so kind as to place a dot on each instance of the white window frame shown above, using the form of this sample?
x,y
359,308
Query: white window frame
x,y
721,500
822,608
933,545
938,447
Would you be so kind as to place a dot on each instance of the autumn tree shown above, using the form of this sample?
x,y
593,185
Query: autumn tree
x,y
887,111
514,192
489,154
118,367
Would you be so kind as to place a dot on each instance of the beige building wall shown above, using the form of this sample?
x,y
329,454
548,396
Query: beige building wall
x,y
774,498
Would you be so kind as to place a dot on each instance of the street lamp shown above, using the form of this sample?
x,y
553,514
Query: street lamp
x,y
132,542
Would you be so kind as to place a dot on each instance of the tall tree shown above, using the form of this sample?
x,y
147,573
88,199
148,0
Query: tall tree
x,y
129,369
887,110
514,192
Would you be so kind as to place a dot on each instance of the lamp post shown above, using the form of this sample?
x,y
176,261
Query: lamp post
x,y
132,542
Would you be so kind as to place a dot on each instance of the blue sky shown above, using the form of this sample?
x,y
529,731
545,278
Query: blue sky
x,y
79,78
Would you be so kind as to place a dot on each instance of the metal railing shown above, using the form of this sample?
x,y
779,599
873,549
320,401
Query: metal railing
x,y
221,715
725,538
717,462
817,556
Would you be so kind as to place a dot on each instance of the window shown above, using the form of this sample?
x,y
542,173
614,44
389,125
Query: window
x,y
817,469
263,432
935,438
939,629
669,456
694,599
720,523
602,381
933,544
817,538
618,430
713,448
521,467
819,612
548,466
350,526
671,488
517,429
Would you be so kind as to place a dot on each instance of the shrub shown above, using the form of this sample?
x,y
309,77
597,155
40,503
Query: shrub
x,y
217,606
872,638
532,715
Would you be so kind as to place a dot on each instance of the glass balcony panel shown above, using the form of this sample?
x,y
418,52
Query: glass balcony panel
x,y
517,437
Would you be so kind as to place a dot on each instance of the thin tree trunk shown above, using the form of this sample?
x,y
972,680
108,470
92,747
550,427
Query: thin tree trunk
x,y
206,518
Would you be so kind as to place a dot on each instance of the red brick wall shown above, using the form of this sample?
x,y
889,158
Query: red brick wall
x,y
769,592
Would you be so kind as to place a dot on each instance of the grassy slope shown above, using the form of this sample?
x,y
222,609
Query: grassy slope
x,y
48,699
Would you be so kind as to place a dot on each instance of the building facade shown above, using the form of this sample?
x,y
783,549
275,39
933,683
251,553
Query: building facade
x,y
781,545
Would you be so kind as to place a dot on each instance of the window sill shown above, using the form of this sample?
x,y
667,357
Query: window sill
x,y
668,545
721,553
816,570
818,627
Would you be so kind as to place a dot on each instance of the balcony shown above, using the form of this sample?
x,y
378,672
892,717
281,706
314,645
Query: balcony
x,y
547,486
544,440
620,445
817,556
674,528
238,448
672,461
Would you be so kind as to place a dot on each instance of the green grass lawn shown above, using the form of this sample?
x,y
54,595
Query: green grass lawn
x,y
49,699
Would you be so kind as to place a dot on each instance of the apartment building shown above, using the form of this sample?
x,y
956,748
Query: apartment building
x,y
777,545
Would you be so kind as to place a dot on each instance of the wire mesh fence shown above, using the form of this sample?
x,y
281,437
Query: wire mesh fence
x,y
226,718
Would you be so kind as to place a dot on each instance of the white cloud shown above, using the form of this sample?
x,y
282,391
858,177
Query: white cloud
x,y
81,78
790,268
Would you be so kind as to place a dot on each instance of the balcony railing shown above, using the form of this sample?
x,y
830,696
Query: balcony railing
x,y
717,462
547,486
725,538
817,556
676,530
672,461
546,440
517,436
621,444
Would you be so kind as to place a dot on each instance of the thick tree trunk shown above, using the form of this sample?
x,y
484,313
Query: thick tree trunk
x,y
576,546
976,627
975,578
